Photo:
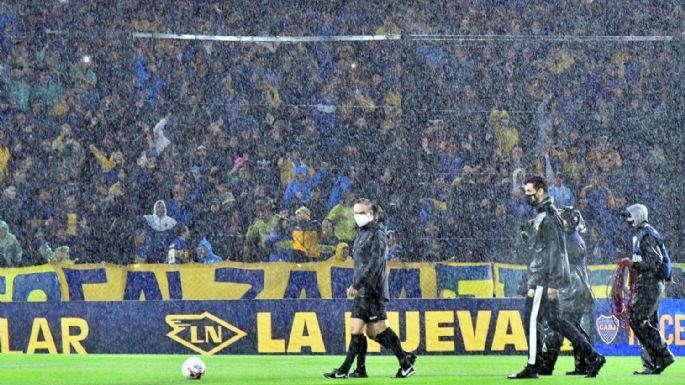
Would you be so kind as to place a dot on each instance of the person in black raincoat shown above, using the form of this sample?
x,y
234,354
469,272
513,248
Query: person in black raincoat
x,y
548,273
370,292
575,300
649,261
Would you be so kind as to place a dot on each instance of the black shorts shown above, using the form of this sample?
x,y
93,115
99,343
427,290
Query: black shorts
x,y
369,309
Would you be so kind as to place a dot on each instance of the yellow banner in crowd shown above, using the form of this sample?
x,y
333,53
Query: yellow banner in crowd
x,y
35,283
230,280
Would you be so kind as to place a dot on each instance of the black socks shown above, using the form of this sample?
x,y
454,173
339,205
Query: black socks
x,y
361,354
389,340
357,346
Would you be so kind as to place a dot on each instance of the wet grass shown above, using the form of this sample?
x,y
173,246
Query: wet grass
x,y
300,370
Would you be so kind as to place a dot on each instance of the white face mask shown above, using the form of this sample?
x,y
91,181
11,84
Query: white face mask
x,y
361,219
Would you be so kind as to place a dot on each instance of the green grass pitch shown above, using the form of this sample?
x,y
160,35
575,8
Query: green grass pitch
x,y
300,370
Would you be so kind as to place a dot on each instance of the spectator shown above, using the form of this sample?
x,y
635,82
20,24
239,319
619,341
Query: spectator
x,y
240,178
280,240
48,90
42,211
342,218
198,184
10,250
434,246
517,179
214,217
110,166
141,245
342,185
325,118
299,190
205,254
435,201
71,155
178,249
599,202
599,197
254,247
451,163
395,249
5,156
142,179
328,242
61,255
519,210
71,224
18,90
113,228
549,161
178,208
560,193
574,167
11,209
160,227
603,157
157,138
601,250
507,135
381,190
288,165
149,83
342,252
305,237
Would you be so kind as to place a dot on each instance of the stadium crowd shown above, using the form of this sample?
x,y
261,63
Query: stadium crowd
x,y
121,149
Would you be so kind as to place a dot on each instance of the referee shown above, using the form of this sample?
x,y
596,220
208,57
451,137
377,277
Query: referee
x,y
370,292
547,273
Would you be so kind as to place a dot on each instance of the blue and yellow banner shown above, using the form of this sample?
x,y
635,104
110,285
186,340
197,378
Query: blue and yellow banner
x,y
35,284
617,339
507,279
465,280
222,281
281,280
310,326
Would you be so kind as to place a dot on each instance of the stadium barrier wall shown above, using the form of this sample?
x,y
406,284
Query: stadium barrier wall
x,y
226,281
438,326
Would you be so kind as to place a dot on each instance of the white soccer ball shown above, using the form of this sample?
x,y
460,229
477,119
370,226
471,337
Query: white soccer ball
x,y
193,368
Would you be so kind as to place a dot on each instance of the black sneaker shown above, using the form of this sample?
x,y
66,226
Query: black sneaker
x,y
580,369
646,372
336,373
665,363
528,372
405,372
360,372
594,366
545,371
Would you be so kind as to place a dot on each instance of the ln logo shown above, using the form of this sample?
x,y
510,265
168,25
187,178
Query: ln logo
x,y
204,333
607,328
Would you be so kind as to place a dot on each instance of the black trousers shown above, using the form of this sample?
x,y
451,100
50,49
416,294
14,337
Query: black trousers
x,y
540,309
552,342
644,320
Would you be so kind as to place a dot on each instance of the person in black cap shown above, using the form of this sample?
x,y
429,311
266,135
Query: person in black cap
x,y
651,262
